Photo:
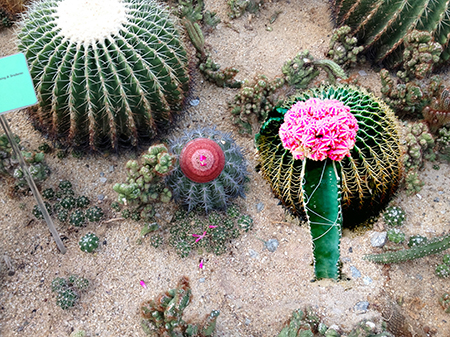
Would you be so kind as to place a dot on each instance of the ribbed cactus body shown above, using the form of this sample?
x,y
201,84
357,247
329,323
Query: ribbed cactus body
x,y
381,25
369,176
103,71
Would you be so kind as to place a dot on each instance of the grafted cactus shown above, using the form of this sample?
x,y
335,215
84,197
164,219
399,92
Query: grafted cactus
x,y
381,26
104,70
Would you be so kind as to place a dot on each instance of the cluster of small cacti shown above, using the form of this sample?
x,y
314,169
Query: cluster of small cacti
x,y
416,251
437,114
66,207
239,7
382,26
443,269
164,315
250,107
210,169
443,142
343,48
109,85
212,232
303,68
9,164
378,161
307,324
222,78
394,216
144,183
67,291
444,301
89,242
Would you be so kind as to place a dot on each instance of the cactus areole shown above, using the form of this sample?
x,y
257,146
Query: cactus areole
x,y
202,160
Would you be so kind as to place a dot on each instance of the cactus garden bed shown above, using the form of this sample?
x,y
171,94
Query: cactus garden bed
x,y
248,278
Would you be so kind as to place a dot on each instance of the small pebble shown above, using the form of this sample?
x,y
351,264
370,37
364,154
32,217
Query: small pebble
x,y
362,73
355,272
194,102
272,245
103,180
370,325
436,200
202,280
100,197
346,259
419,277
111,168
378,239
361,307
259,206
252,253
367,280
247,321
102,174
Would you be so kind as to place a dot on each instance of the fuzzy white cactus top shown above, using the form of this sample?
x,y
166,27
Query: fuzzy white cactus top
x,y
88,21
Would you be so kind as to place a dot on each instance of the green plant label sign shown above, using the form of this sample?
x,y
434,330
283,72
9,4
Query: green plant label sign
x,y
16,85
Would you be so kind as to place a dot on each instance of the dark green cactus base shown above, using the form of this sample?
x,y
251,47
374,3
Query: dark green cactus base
x,y
369,177
323,208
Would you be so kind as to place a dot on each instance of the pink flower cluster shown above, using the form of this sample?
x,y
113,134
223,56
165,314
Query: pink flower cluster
x,y
319,129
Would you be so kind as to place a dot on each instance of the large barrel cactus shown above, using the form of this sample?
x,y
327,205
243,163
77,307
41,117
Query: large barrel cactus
x,y
381,26
334,154
104,70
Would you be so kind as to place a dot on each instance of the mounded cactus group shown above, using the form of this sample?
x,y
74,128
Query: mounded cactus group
x,y
381,26
369,176
104,71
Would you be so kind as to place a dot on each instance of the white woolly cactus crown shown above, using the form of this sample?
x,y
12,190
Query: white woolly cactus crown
x,y
103,70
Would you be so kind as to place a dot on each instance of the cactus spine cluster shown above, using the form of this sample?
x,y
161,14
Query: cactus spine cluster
x,y
163,316
369,176
104,70
212,194
381,26
67,290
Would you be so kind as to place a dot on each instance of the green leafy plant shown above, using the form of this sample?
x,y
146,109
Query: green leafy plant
x,y
104,72
382,26
164,315
67,290
357,184
210,169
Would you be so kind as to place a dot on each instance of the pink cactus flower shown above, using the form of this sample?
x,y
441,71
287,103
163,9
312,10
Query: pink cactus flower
x,y
199,237
211,226
319,129
142,283
201,264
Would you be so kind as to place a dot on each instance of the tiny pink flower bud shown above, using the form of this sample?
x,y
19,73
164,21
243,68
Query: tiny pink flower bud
x,y
201,264
211,226
142,283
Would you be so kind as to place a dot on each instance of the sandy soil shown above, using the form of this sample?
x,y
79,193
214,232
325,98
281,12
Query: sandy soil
x,y
255,293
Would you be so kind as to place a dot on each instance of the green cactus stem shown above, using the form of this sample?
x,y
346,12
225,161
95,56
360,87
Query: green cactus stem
x,y
432,246
321,183
369,176
343,47
104,71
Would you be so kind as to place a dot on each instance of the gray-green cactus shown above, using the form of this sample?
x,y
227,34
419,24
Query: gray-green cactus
x,y
163,316
419,146
343,47
104,71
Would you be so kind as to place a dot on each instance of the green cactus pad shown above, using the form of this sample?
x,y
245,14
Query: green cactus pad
x,y
105,70
370,175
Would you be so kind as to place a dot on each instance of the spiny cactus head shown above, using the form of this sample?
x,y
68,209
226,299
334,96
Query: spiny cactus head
x,y
442,271
66,298
77,218
94,214
395,235
202,160
394,216
89,242
105,71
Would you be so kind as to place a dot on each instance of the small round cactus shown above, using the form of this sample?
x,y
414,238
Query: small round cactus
x,y
65,185
48,193
62,215
77,218
66,298
94,214
417,240
83,201
89,243
37,211
394,216
104,71
442,271
245,222
395,235
68,202
215,174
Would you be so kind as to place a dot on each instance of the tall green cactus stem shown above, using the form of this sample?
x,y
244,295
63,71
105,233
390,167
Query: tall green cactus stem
x,y
381,26
430,247
369,176
321,184
104,70
163,317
